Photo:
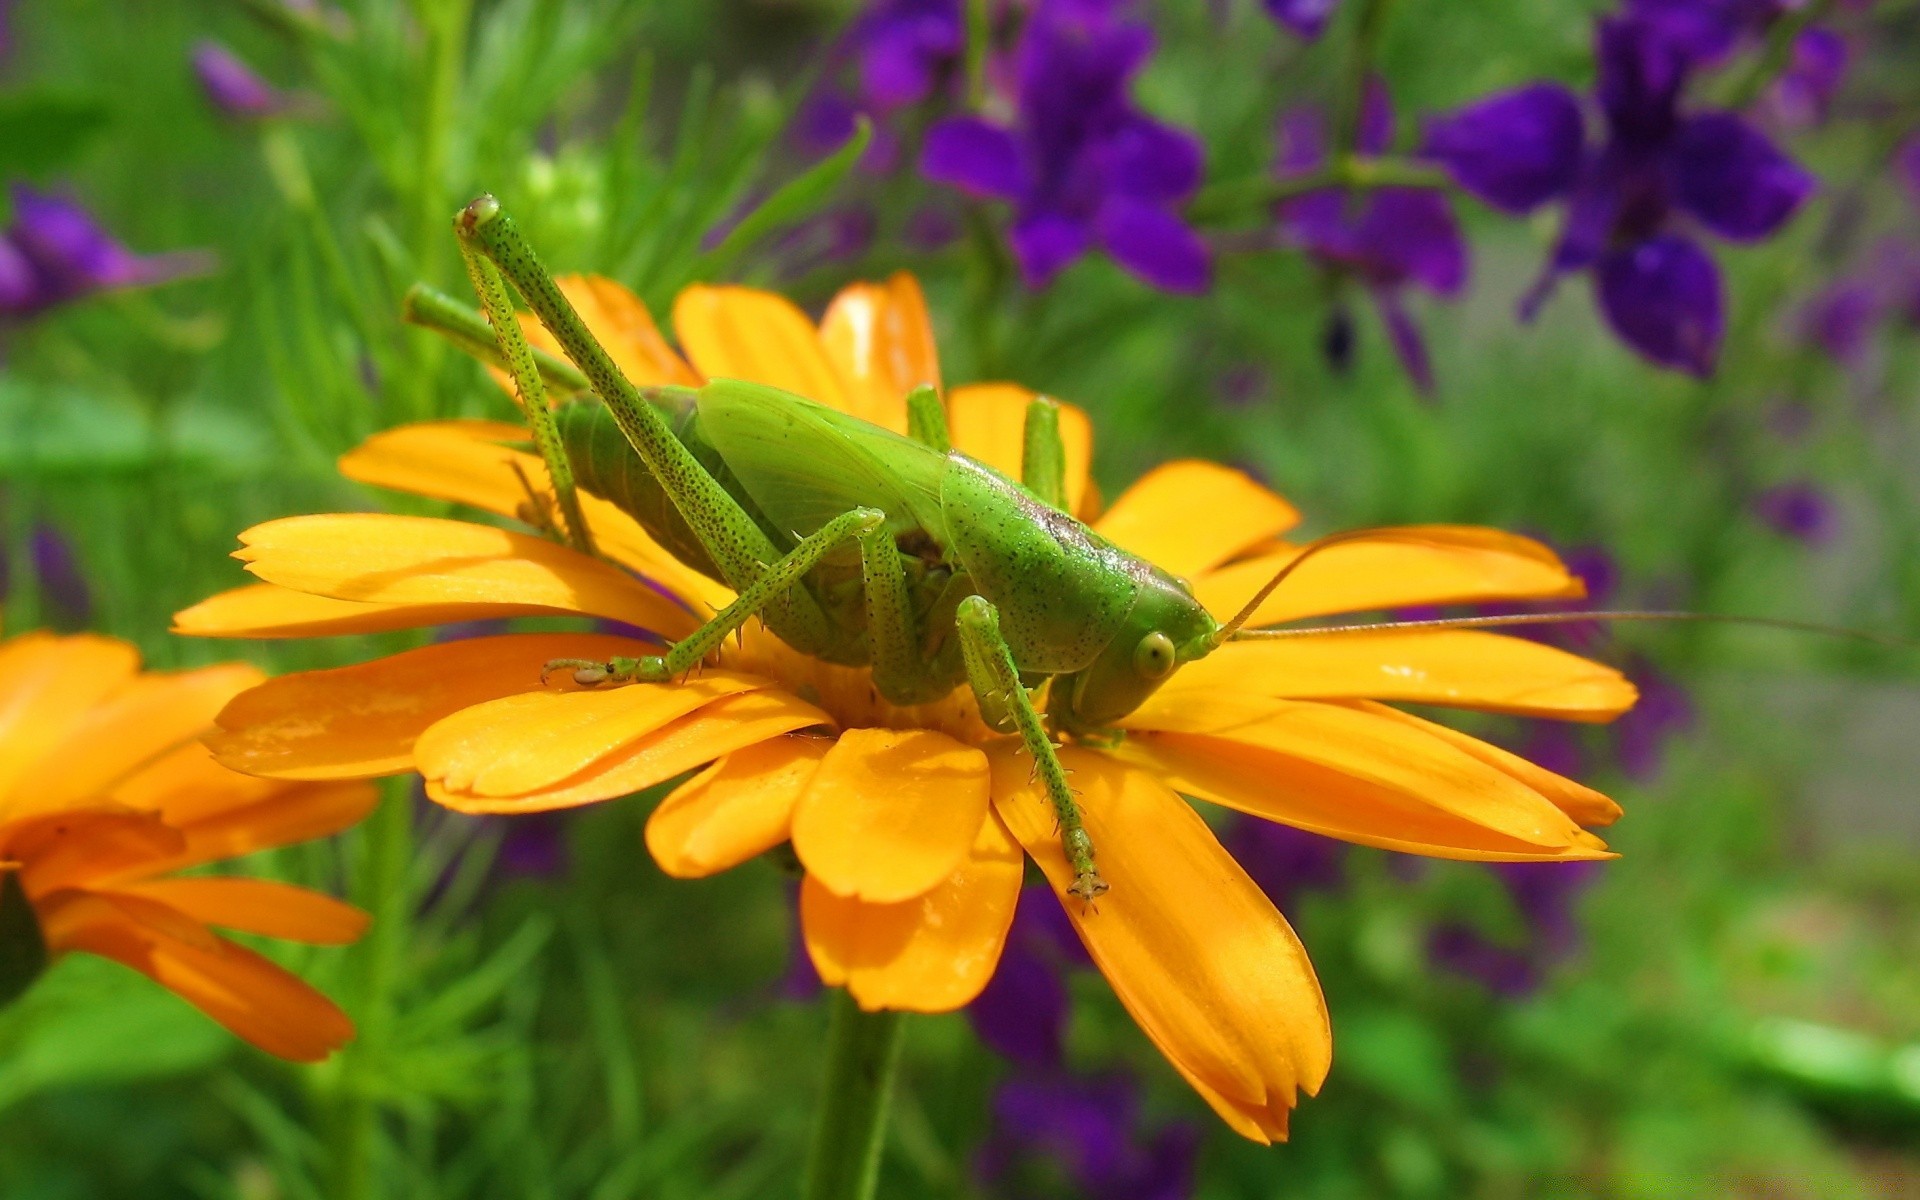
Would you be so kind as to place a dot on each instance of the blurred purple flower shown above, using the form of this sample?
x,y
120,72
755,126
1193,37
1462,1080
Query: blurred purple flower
x,y
232,87
66,602
1841,320
1305,18
1022,1013
1800,510
1803,95
1081,165
55,252
1633,202
899,52
1286,862
1055,1138
1640,736
1391,239
1544,895
1906,163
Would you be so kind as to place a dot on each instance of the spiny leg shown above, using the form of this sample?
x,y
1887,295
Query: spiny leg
x,y
996,681
736,544
531,392
902,670
927,418
773,581
1043,457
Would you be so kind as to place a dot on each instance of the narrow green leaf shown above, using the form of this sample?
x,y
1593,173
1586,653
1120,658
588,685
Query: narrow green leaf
x,y
44,130
794,201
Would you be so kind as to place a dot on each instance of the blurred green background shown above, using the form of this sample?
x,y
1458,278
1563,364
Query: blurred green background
x,y
1729,1020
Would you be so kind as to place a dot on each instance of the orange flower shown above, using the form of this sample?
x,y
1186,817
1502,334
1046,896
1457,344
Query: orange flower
x,y
106,793
911,822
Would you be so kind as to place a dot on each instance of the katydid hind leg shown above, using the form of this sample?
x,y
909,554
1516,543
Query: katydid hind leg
x,y
1004,702
772,582
737,545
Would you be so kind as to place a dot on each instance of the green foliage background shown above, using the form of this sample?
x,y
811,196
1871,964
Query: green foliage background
x,y
1730,1029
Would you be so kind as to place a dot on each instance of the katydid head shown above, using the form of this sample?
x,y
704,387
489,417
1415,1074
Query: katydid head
x,y
1165,628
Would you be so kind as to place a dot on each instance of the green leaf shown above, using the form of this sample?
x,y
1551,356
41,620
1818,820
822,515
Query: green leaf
x,y
795,200
44,129
23,951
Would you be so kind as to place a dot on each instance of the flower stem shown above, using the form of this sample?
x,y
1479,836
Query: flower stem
x,y
863,1049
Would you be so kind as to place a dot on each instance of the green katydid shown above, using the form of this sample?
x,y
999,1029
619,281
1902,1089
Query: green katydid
x,y
859,546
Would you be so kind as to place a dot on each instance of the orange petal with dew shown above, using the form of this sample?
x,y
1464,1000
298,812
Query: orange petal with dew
x,y
1403,567
380,558
739,807
890,813
263,906
256,999
1190,516
1578,801
1194,950
1355,775
988,421
933,953
49,686
1454,668
534,739
713,732
361,721
880,338
264,610
467,462
743,333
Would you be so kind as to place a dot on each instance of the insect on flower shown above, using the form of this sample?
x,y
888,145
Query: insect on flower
x,y
910,819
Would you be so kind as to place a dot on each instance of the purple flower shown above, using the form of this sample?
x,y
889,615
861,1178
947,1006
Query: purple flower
x,y
1081,165
1054,1138
233,87
1022,1013
1906,163
66,601
1391,239
1634,202
1461,949
55,252
1640,736
900,52
1306,18
1841,320
1543,894
1800,510
1286,862
1803,94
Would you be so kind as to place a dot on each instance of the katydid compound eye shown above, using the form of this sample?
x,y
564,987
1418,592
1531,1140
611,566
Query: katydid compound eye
x,y
1153,658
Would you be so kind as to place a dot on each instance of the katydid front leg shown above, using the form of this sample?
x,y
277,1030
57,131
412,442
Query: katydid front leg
x,y
996,682
773,581
732,540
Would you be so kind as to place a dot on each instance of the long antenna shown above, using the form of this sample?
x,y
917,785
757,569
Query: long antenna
x,y
1554,618
1386,533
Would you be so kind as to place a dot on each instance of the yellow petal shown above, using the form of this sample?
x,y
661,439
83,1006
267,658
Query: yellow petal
x,y
1455,668
620,322
485,464
263,610
740,807
744,333
259,1001
1578,801
715,731
1399,568
1353,775
361,721
988,421
261,906
1195,951
48,686
1189,516
933,953
880,338
534,739
890,813
380,558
